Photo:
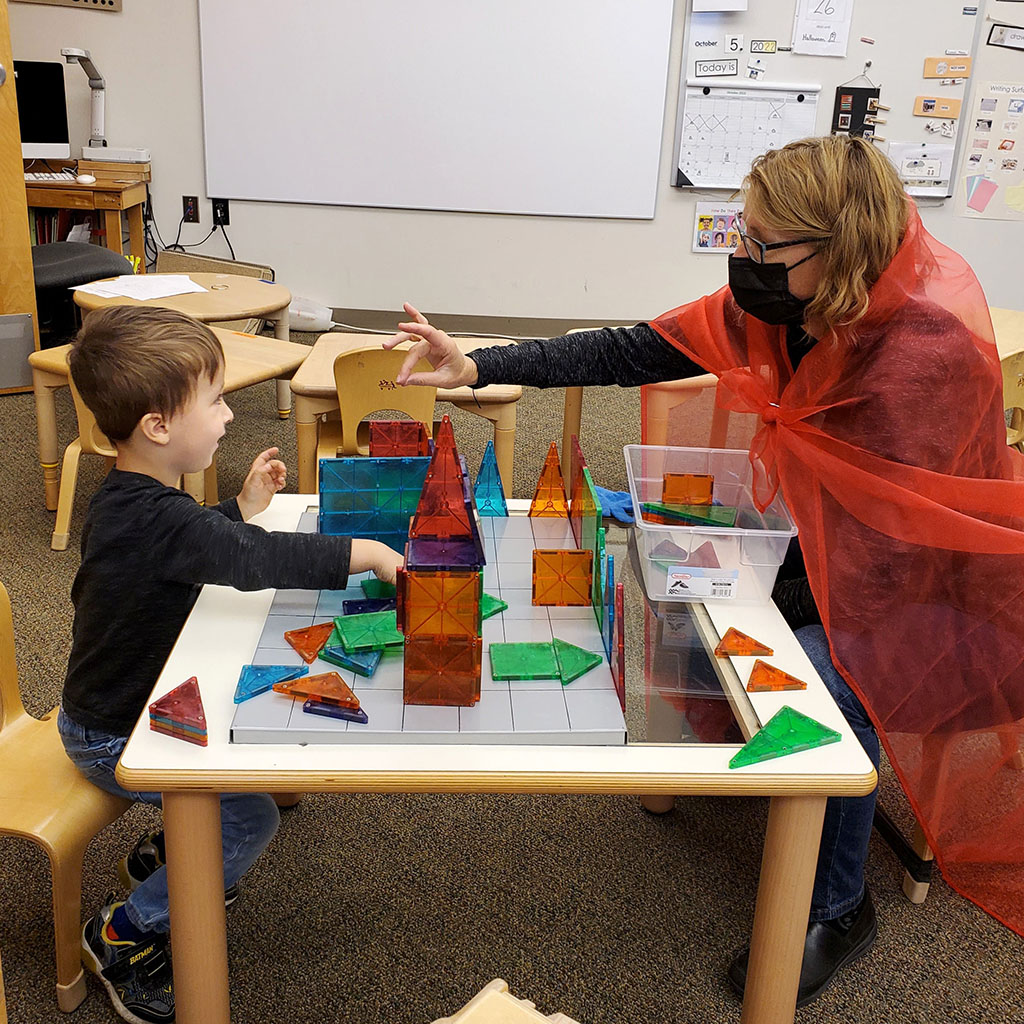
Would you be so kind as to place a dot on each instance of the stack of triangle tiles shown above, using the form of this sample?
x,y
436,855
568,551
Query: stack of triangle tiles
x,y
180,713
440,585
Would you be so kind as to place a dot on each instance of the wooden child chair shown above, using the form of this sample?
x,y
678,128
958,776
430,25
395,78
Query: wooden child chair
x,y
44,799
494,1004
1013,398
92,441
365,380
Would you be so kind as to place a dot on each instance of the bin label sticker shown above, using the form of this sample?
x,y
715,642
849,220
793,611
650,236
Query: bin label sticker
x,y
701,583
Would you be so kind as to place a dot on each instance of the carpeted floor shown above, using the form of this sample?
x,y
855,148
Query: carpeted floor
x,y
397,909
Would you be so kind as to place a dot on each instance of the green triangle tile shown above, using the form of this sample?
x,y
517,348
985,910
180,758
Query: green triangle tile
x,y
786,732
573,661
491,606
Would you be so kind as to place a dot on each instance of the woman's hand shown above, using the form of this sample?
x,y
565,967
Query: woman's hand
x,y
452,368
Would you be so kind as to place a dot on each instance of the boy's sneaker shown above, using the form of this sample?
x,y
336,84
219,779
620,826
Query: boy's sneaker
x,y
137,975
148,857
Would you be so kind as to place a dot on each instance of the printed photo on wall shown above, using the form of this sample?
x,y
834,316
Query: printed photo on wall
x,y
715,228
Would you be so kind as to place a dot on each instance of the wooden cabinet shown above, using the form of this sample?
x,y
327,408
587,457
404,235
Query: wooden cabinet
x,y
17,290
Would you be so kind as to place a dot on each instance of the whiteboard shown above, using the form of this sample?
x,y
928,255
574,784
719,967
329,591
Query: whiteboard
x,y
538,106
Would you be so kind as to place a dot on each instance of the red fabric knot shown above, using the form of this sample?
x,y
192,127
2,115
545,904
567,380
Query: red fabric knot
x,y
771,413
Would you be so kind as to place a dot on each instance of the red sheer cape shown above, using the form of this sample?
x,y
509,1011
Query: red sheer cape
x,y
890,450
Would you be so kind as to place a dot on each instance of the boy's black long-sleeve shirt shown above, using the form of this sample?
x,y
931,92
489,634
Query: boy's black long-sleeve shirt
x,y
146,551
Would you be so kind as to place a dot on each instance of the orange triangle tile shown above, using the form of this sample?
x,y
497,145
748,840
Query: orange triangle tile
x,y
549,499
328,688
766,678
735,644
309,642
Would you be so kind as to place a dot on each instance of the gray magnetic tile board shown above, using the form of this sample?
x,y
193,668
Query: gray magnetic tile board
x,y
528,711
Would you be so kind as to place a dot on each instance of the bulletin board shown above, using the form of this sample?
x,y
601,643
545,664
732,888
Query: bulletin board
x,y
991,174
744,89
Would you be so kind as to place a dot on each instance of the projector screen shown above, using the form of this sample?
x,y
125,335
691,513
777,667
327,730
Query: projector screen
x,y
551,107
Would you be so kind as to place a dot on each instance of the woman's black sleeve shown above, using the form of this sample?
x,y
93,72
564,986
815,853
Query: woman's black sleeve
x,y
627,356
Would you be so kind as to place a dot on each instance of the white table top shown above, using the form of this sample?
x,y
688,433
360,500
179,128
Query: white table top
x,y
221,634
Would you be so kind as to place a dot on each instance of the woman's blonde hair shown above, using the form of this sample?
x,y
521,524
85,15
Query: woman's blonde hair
x,y
840,188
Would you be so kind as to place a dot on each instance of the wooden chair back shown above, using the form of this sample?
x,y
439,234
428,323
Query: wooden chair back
x,y
44,798
365,381
91,438
1013,398
11,707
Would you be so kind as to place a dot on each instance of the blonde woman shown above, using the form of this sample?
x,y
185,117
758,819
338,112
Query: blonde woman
x,y
865,347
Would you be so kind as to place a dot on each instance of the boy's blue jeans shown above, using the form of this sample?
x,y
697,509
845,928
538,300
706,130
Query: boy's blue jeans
x,y
248,820
839,880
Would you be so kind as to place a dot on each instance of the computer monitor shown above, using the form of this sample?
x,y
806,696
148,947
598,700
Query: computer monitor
x,y
42,109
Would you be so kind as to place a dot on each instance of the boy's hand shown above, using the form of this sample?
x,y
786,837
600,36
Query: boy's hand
x,y
388,564
375,556
266,477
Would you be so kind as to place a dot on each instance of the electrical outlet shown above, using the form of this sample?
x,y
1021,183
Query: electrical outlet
x,y
220,212
190,209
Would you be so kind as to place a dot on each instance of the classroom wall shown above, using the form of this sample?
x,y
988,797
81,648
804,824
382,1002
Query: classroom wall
x,y
445,262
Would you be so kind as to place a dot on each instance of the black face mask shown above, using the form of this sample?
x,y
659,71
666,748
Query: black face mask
x,y
762,290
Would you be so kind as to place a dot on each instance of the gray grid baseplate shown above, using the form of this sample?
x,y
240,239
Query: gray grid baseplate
x,y
586,711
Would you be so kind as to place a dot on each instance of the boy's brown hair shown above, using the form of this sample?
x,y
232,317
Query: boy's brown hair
x,y
131,360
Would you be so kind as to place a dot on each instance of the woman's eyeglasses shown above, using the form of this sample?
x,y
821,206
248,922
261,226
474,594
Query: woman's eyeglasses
x,y
756,249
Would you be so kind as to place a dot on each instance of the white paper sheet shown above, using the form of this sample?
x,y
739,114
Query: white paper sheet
x,y
822,27
924,168
142,286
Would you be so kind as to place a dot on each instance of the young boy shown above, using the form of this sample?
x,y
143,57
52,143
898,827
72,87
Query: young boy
x,y
153,380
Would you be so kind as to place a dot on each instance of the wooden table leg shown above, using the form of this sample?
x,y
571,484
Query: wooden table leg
x,y
284,391
137,235
305,435
3,1002
783,903
195,884
46,428
571,417
112,226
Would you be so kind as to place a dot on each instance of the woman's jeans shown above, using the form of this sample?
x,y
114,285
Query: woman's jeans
x,y
248,820
839,880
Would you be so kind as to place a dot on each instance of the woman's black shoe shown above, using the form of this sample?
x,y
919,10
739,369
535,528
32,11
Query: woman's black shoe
x,y
828,948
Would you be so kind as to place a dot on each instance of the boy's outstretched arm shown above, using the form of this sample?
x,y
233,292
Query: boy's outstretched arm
x,y
266,477
381,560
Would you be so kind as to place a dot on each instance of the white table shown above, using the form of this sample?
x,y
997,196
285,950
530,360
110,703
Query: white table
x,y
222,632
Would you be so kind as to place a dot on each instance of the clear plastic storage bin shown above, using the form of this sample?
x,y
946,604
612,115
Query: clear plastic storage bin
x,y
707,563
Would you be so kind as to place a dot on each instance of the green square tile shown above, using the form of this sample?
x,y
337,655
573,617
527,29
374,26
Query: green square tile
x,y
377,588
523,661
370,631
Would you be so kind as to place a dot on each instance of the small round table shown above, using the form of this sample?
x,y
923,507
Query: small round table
x,y
227,297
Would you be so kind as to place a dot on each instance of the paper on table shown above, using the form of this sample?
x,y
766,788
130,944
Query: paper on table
x,y
142,286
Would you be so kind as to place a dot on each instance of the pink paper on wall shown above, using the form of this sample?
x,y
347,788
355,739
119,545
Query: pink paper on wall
x,y
983,193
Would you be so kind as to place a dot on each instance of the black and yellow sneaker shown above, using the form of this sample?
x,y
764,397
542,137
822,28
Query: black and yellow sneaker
x,y
136,974
145,858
